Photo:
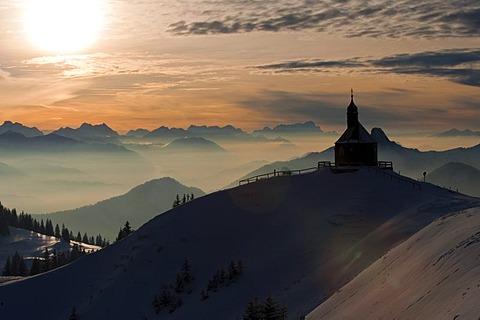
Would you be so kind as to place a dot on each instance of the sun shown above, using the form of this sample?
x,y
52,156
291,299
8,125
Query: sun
x,y
63,26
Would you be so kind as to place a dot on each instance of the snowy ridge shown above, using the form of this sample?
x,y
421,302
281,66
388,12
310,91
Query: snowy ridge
x,y
433,275
31,245
300,239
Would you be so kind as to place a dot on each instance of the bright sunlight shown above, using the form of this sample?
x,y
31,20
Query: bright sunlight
x,y
63,26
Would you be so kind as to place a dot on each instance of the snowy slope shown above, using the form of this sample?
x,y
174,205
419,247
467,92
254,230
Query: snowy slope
x,y
300,239
31,244
137,206
433,275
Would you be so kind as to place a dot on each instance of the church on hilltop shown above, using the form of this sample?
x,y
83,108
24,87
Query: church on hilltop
x,y
355,147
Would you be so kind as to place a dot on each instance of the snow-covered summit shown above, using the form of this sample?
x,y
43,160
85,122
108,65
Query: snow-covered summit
x,y
300,239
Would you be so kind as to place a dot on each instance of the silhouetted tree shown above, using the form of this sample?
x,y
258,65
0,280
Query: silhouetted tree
x,y
4,230
49,228
176,202
65,234
125,231
253,310
268,310
57,233
36,267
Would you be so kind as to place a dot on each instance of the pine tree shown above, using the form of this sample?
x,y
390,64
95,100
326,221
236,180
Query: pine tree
x,y
35,268
57,233
65,234
253,310
99,241
42,229
125,231
4,230
187,272
7,269
176,202
85,238
49,228
270,309
179,284
184,199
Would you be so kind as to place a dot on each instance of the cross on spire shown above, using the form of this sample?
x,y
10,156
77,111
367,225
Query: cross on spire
x,y
351,93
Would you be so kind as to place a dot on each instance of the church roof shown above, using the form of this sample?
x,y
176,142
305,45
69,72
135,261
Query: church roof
x,y
352,108
354,134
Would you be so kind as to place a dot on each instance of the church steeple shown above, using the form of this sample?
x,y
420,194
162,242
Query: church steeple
x,y
352,113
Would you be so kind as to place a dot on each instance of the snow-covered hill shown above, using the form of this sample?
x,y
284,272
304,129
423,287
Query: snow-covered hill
x,y
137,206
433,275
31,244
300,239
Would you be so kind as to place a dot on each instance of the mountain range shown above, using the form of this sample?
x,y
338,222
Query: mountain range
x,y
308,128
408,161
20,128
90,133
15,143
299,238
457,133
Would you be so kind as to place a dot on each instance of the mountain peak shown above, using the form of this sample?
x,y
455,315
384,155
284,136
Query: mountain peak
x,y
379,135
20,128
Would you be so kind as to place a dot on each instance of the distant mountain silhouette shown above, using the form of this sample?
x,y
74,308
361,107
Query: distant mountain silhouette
x,y
410,162
457,176
166,134
193,144
20,128
18,143
295,129
457,133
90,133
137,133
215,133
227,132
137,206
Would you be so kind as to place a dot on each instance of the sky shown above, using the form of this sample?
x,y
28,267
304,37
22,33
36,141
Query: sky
x,y
414,65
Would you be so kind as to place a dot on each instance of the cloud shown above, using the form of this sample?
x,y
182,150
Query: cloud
x,y
323,108
403,18
309,64
458,65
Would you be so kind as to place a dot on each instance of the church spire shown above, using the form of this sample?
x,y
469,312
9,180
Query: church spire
x,y
352,113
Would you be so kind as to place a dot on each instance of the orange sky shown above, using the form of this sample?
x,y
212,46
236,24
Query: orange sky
x,y
156,63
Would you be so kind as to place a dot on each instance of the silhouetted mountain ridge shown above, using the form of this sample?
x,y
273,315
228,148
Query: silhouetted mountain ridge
x,y
139,205
20,128
409,161
193,144
17,143
457,133
457,176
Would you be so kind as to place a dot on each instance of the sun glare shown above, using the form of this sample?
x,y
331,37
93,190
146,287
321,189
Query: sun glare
x,y
63,26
